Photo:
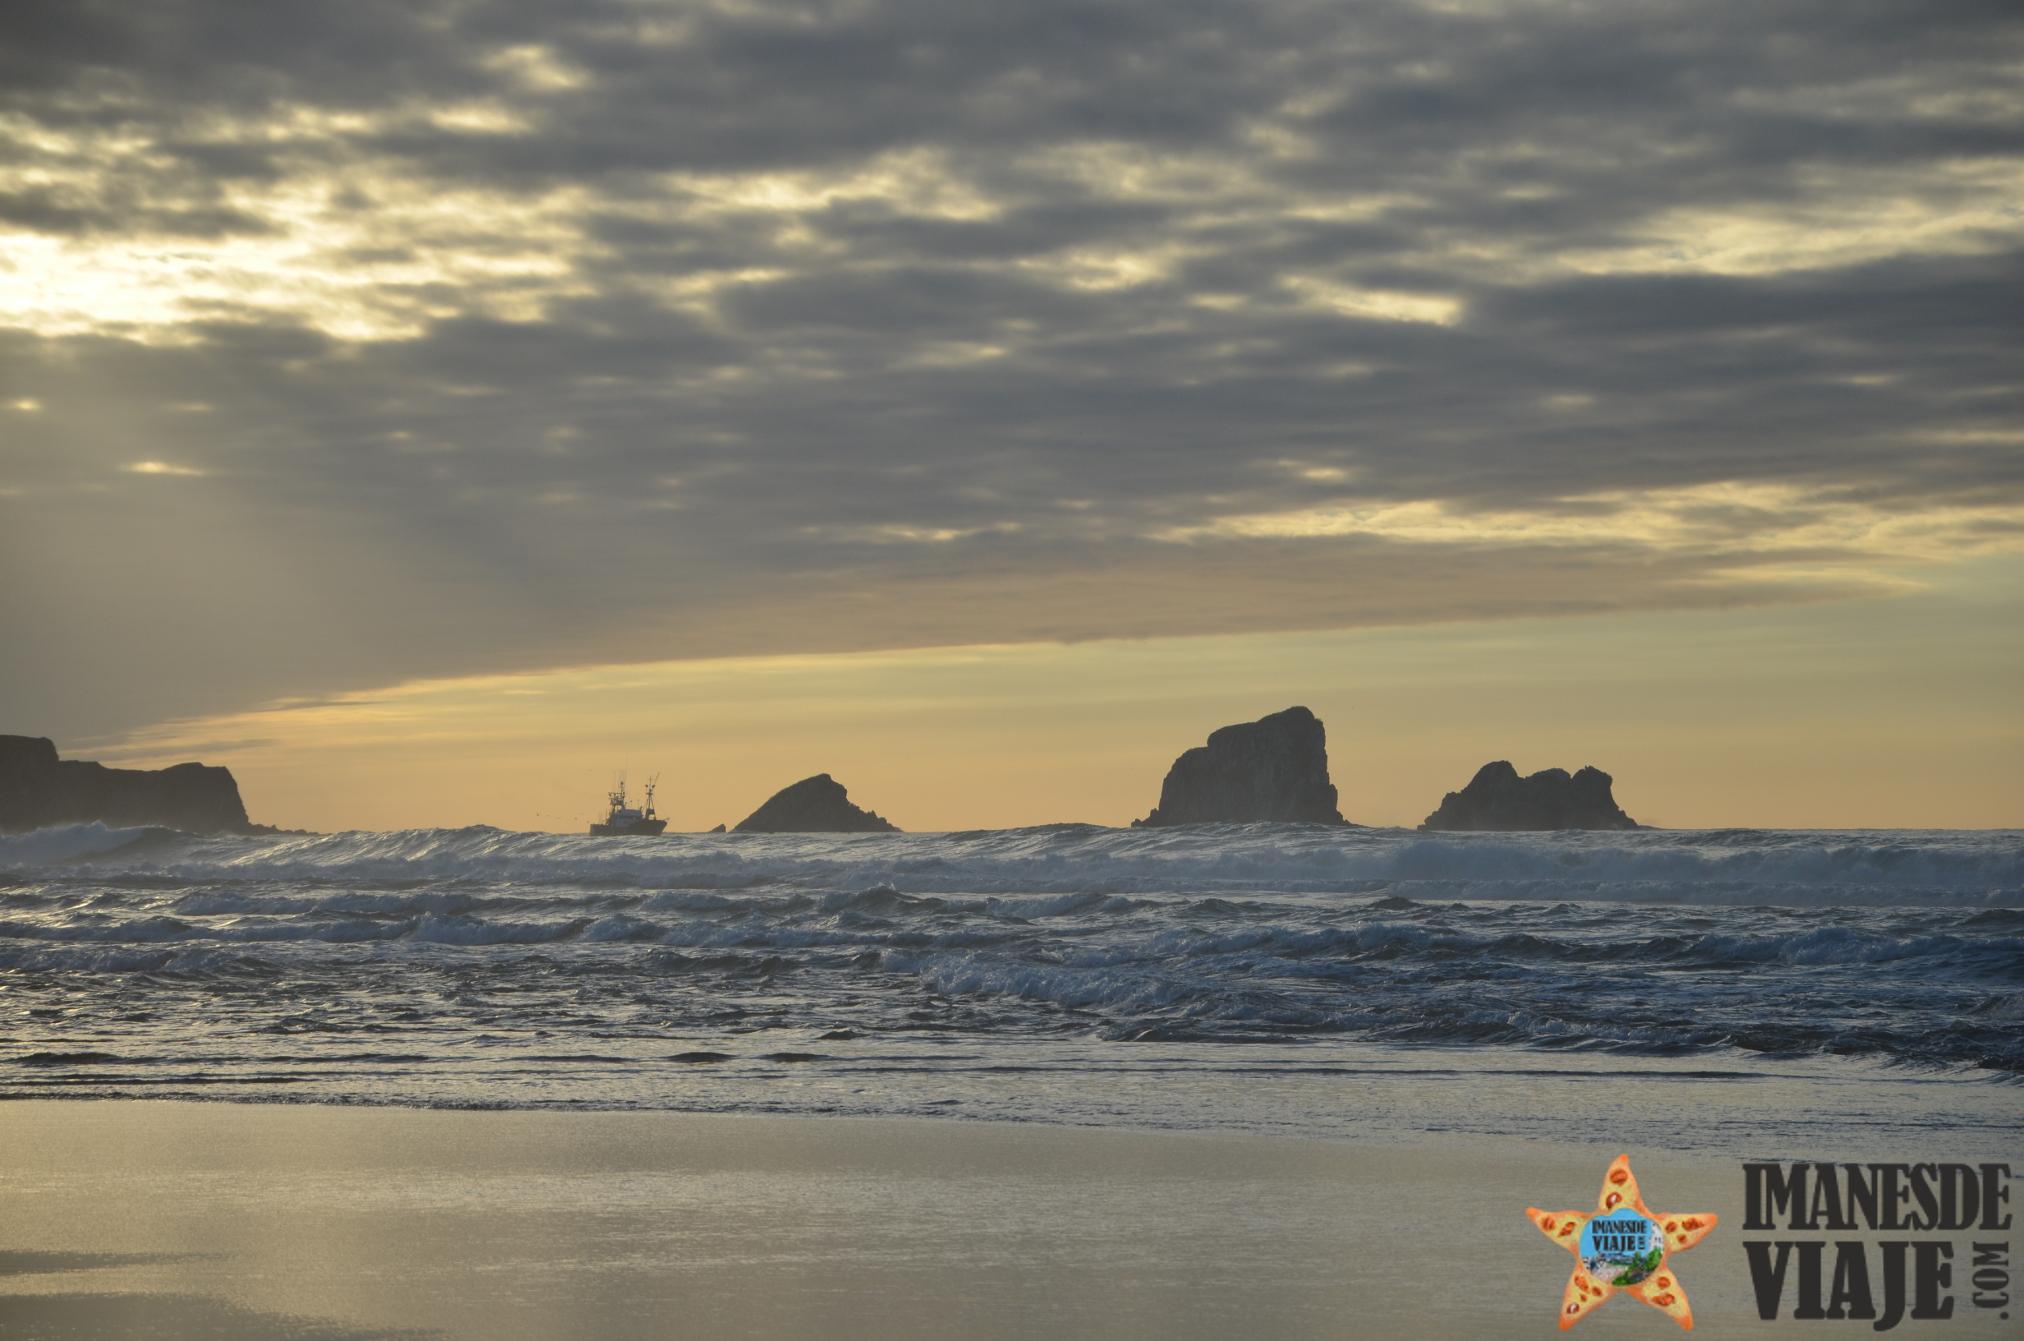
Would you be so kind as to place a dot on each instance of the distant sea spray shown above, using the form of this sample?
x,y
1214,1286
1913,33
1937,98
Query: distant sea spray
x,y
1748,866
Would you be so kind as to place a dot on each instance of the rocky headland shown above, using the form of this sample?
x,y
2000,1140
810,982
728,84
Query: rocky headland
x,y
37,788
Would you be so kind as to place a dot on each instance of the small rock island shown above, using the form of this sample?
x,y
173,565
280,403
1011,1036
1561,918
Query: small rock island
x,y
1273,770
37,788
819,804
1498,799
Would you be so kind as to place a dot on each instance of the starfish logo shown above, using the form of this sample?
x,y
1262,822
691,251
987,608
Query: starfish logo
x,y
1623,1246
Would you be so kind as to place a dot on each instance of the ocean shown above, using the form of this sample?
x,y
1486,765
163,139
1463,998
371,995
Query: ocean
x,y
1826,993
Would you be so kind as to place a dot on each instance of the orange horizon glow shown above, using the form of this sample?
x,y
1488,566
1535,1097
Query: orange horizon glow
x,y
1774,718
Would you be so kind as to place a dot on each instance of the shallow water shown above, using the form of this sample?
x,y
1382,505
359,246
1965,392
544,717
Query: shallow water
x,y
1282,978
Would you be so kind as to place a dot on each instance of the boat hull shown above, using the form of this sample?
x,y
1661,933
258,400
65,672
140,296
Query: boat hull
x,y
640,828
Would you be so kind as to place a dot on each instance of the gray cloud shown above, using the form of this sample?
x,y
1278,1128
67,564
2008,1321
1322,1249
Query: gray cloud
x,y
474,337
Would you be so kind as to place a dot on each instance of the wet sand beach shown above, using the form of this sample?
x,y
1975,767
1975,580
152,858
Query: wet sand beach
x,y
139,1218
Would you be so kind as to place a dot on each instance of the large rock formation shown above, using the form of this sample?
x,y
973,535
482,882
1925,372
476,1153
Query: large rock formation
x,y
1272,770
37,788
1497,798
819,804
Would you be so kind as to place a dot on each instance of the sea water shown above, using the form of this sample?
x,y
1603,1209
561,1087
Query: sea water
x,y
1819,993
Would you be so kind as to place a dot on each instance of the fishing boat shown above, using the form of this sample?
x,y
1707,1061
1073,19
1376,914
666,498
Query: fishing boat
x,y
626,822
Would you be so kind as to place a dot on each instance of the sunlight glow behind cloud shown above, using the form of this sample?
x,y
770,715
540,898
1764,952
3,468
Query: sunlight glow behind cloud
x,y
505,337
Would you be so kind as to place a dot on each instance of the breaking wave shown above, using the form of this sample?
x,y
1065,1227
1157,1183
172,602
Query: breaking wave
x,y
495,968
1711,867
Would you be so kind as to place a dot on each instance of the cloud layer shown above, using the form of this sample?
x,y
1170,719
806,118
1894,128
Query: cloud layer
x,y
342,344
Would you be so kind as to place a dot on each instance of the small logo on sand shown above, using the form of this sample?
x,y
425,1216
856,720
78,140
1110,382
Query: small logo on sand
x,y
1622,1248
1623,1245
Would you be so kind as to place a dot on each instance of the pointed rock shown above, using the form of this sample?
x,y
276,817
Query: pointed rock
x,y
819,804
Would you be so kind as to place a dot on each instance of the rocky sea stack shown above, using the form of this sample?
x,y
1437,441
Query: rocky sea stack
x,y
1273,770
1497,798
819,804
37,789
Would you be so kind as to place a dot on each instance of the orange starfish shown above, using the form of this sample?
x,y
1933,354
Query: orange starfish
x,y
1648,1275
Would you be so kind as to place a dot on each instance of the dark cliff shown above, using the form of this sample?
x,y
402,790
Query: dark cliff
x,y
37,788
1497,798
819,804
1273,769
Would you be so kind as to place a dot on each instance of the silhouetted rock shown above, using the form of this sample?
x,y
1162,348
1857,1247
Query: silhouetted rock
x,y
718,829
1272,770
37,788
1497,798
813,805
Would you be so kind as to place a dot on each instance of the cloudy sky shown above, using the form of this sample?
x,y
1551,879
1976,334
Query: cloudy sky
x,y
981,402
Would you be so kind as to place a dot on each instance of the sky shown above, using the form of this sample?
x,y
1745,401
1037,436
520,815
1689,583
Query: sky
x,y
429,408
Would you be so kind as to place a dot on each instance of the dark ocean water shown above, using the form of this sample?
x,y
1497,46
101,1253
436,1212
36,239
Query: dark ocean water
x,y
1264,977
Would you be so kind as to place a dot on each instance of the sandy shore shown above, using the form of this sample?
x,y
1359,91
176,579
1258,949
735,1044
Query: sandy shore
x,y
162,1219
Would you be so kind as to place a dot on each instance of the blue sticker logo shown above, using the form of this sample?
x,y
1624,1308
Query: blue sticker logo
x,y
1621,1248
